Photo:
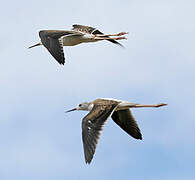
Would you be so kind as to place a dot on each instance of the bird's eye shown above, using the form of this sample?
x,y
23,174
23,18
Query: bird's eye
x,y
79,105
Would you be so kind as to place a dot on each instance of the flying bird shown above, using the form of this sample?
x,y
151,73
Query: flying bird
x,y
54,40
99,111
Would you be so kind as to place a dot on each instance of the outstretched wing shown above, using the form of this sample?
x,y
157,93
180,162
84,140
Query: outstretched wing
x,y
126,121
52,40
92,30
92,126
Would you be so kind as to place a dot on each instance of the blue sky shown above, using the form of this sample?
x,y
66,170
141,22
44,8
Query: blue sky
x,y
39,141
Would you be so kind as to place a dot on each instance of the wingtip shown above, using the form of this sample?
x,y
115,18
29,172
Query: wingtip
x,y
116,42
88,161
119,44
139,136
61,62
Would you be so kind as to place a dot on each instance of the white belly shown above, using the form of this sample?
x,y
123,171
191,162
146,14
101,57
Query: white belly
x,y
76,39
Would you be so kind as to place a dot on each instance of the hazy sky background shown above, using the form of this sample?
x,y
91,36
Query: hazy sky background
x,y
39,141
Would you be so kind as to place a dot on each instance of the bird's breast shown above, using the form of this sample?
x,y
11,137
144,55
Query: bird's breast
x,y
88,38
74,39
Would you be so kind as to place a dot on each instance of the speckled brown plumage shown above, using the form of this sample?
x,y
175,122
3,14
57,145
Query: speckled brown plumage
x,y
92,125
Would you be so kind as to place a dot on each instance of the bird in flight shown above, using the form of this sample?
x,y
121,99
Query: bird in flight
x,y
99,111
54,40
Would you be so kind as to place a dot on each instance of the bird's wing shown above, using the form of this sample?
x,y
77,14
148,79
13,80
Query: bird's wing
x,y
84,29
127,122
92,124
92,30
52,40
58,33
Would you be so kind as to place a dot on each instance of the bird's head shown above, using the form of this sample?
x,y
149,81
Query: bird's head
x,y
85,106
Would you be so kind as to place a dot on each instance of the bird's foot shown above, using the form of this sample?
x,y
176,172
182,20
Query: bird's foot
x,y
122,33
119,38
161,104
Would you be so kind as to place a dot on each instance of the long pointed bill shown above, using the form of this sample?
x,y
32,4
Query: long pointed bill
x,y
38,44
71,110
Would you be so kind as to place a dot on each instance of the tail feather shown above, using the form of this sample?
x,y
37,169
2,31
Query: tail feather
x,y
115,42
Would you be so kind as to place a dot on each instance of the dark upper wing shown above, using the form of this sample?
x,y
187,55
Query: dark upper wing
x,y
55,33
92,125
91,30
53,44
126,121
51,39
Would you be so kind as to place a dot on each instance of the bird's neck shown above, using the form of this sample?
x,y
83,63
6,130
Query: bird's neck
x,y
90,107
